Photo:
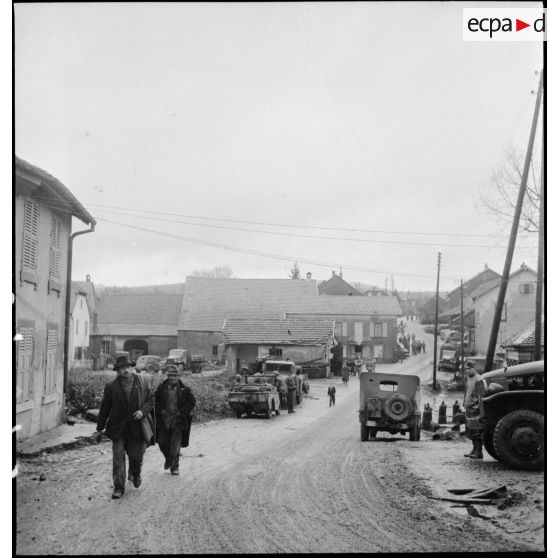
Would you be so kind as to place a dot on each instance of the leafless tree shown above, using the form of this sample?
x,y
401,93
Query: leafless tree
x,y
217,272
499,194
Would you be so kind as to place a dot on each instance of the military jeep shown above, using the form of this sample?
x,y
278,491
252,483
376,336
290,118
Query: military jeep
x,y
512,411
258,396
389,402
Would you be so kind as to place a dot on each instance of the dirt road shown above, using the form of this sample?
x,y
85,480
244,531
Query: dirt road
x,y
295,483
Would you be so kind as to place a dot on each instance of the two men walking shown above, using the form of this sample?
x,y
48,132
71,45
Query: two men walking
x,y
126,416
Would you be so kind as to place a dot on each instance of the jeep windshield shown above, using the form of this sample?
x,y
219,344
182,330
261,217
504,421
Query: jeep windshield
x,y
277,366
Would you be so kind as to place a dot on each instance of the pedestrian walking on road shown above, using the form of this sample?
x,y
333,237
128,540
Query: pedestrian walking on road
x,y
174,403
472,413
125,415
291,394
331,393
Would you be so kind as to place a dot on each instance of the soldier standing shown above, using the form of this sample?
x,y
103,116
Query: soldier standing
x,y
331,393
472,413
291,394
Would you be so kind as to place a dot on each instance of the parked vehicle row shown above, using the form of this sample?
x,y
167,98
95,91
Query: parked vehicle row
x,y
181,358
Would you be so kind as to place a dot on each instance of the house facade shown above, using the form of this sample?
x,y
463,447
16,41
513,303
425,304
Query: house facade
x,y
363,324
518,311
82,307
43,208
302,341
141,321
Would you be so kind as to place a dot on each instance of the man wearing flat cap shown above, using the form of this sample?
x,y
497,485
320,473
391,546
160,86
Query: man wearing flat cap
x,y
126,401
174,403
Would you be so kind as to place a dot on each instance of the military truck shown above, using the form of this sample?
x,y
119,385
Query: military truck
x,y
389,402
257,395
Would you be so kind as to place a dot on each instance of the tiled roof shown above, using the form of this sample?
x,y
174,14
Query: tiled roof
x,y
54,193
153,314
353,305
208,302
525,337
280,332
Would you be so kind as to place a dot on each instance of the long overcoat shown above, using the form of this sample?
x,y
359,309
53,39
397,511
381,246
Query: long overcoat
x,y
115,413
185,404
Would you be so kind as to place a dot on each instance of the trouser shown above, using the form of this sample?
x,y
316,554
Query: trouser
x,y
473,427
169,440
332,400
135,448
290,400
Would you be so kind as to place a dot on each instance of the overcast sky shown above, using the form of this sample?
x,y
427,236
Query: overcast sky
x,y
260,127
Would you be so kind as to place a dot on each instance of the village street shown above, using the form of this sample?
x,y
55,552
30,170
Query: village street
x,y
295,483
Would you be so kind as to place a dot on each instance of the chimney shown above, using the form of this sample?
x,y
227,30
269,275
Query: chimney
x,y
333,273
88,277
341,272
309,276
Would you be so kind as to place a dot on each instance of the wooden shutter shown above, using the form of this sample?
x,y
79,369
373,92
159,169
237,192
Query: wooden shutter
x,y
50,371
24,361
30,235
55,248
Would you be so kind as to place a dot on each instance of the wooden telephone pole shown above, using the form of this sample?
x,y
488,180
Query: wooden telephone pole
x,y
434,384
513,235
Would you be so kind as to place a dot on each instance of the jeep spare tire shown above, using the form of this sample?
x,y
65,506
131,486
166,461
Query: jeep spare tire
x,y
519,439
398,407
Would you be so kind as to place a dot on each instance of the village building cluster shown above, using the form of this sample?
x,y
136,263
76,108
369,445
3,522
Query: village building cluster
x,y
62,324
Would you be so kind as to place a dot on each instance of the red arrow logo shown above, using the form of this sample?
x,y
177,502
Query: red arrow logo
x,y
519,25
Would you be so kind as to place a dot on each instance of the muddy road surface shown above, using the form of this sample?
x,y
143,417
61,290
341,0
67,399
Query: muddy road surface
x,y
293,483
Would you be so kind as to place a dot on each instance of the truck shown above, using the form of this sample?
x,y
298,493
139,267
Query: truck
x,y
180,358
288,368
258,395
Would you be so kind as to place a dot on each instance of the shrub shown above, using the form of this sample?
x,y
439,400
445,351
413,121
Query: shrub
x,y
85,390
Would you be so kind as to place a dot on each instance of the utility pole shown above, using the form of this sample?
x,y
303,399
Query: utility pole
x,y
462,339
434,384
513,236
540,266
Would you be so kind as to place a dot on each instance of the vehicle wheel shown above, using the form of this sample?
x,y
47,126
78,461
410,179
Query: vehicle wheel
x,y
414,433
270,411
488,441
372,432
519,439
277,411
398,407
364,433
305,387
238,414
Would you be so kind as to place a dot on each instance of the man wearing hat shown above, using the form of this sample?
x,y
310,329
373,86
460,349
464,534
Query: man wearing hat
x,y
126,401
174,403
472,413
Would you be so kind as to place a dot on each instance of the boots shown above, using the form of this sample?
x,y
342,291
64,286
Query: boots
x,y
476,452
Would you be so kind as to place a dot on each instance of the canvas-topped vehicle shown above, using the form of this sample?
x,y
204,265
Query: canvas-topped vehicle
x,y
512,413
391,403
288,368
258,395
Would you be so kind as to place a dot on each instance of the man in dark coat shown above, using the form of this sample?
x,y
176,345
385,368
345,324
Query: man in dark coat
x,y
174,403
126,401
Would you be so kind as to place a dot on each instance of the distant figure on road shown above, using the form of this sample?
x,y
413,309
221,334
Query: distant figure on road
x,y
127,401
345,375
331,393
174,403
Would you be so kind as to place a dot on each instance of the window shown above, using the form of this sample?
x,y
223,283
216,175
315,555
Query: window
x,y
78,352
215,350
380,330
55,248
77,327
81,302
86,327
504,312
50,371
275,352
105,347
344,329
526,288
358,332
338,329
24,390
30,235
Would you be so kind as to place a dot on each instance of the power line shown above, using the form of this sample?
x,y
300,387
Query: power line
x,y
260,253
409,243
